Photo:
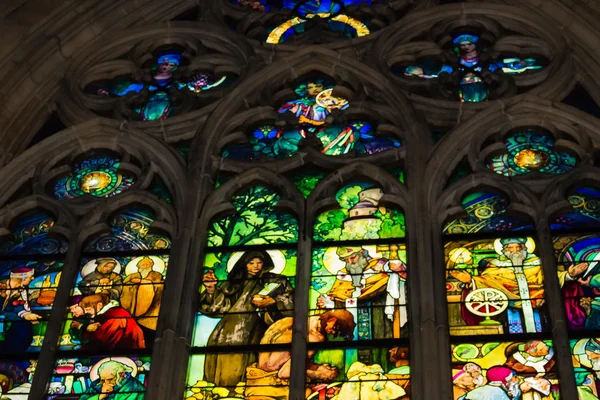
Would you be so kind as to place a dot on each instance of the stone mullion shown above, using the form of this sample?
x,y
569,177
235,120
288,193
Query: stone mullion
x,y
424,353
555,306
46,358
172,346
299,336
441,306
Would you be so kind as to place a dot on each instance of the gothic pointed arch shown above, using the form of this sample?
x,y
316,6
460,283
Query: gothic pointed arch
x,y
566,132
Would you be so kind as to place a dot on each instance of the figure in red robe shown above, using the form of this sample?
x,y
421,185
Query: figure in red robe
x,y
110,326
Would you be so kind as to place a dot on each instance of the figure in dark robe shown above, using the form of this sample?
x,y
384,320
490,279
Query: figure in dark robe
x,y
249,301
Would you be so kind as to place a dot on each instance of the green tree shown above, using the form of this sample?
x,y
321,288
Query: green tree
x,y
307,182
255,221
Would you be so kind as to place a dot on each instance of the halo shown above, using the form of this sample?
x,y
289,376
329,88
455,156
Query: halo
x,y
332,262
159,265
529,245
460,254
90,267
123,360
276,255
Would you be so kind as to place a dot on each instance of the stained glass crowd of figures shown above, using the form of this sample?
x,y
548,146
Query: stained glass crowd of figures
x,y
114,305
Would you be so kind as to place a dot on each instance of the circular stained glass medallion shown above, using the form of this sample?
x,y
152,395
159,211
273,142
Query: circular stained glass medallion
x,y
97,183
531,159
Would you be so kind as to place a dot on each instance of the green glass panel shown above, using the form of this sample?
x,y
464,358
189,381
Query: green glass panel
x,y
360,216
255,221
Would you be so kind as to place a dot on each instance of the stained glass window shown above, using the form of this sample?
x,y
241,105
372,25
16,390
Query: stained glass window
x,y
30,271
366,281
577,265
586,366
116,299
255,222
528,151
114,306
577,249
97,176
307,180
161,88
358,294
356,373
494,286
246,300
468,74
504,370
314,102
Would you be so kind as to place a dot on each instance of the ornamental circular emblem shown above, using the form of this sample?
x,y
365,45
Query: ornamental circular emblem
x,y
531,159
486,302
97,183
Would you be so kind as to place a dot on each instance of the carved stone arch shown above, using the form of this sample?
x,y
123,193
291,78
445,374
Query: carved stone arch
x,y
219,202
65,220
577,24
48,37
154,156
522,200
407,43
356,80
205,48
578,130
322,197
97,221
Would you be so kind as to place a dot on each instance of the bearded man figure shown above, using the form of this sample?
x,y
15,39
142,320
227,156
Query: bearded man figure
x,y
374,291
115,381
518,275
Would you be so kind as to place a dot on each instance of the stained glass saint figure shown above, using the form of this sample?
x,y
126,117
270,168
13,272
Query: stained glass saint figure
x,y
470,86
161,88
